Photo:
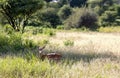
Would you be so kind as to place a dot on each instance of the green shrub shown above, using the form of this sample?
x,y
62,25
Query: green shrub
x,y
29,43
82,17
88,19
34,31
11,42
4,41
14,43
49,32
8,29
108,18
68,43
49,15
118,9
60,27
65,12
37,30
43,42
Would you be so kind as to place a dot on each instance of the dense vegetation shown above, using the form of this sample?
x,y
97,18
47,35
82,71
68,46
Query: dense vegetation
x,y
27,24
66,13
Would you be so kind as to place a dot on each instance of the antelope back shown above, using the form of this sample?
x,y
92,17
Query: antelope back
x,y
54,56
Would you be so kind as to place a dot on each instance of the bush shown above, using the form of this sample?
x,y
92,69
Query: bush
x,y
88,19
43,42
108,18
50,15
118,9
37,30
49,32
10,42
4,41
60,27
68,43
65,12
8,29
29,43
82,17
14,42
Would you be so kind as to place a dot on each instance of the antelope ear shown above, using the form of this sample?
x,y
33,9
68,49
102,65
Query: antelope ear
x,y
41,48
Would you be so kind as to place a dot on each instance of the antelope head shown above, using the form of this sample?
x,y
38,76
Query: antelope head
x,y
41,49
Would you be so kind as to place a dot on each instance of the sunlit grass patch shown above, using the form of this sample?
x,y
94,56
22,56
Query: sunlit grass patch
x,y
18,67
109,29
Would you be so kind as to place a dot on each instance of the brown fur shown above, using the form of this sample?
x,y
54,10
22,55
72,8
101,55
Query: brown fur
x,y
50,56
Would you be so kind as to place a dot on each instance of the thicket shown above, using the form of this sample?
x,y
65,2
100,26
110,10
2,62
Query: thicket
x,y
65,12
107,10
82,17
11,41
52,14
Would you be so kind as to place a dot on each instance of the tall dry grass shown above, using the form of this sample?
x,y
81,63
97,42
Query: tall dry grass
x,y
93,55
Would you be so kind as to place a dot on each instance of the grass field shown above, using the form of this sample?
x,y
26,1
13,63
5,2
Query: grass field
x,y
85,55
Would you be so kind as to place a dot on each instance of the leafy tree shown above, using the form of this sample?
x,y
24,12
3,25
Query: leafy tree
x,y
65,12
111,16
101,5
53,5
63,2
50,15
17,12
77,3
82,17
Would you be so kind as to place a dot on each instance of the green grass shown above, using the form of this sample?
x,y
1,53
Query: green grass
x,y
18,67
68,43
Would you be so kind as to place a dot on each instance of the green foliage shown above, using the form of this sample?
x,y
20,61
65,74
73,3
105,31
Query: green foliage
x,y
68,43
111,16
18,12
82,17
108,18
46,24
53,5
104,3
8,29
88,19
60,27
17,67
29,43
3,20
14,42
63,2
42,30
49,32
10,42
77,3
37,30
4,40
50,15
118,9
65,12
101,5
43,42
